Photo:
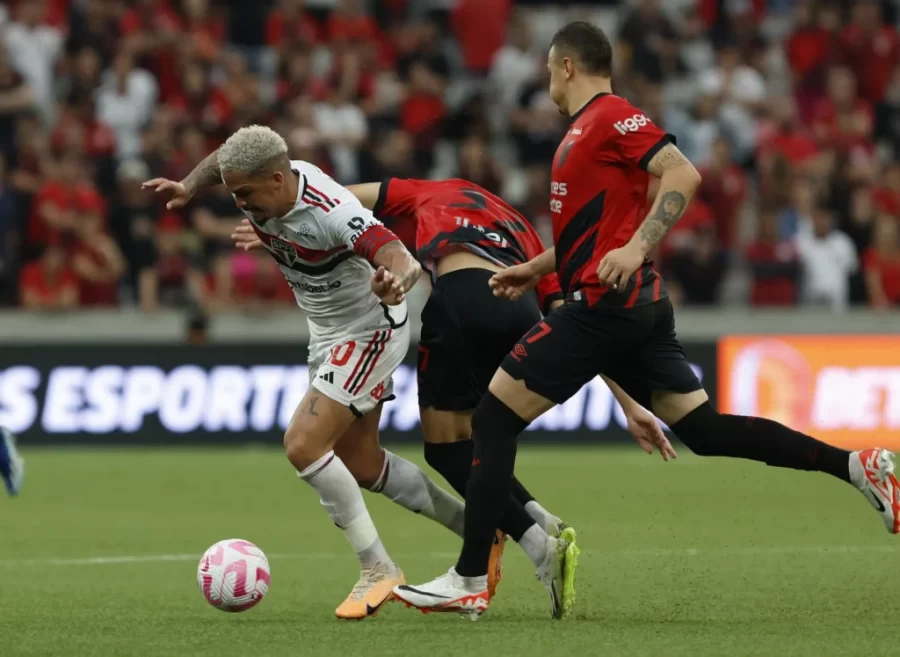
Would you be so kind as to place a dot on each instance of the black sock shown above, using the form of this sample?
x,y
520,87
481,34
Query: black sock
x,y
495,428
454,462
708,433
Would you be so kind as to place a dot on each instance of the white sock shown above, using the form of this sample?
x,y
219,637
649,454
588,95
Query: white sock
x,y
404,483
536,544
541,516
470,584
343,500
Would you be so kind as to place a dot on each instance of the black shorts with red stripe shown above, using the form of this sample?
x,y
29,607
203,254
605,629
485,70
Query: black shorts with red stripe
x,y
634,346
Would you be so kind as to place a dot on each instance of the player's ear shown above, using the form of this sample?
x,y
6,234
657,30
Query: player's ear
x,y
568,67
278,178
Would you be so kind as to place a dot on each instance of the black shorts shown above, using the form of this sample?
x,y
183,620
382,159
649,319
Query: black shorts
x,y
466,334
635,347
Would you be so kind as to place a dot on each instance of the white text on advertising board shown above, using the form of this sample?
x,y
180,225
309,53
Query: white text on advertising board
x,y
261,398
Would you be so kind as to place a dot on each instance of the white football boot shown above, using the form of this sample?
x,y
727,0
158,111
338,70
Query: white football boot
x,y
872,472
557,573
467,596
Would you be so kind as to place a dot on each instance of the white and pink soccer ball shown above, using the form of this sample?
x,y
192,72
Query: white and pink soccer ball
x,y
234,575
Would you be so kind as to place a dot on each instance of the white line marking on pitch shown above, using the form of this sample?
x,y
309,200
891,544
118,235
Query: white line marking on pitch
x,y
326,556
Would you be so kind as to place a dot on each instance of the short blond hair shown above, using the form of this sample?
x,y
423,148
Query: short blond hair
x,y
251,150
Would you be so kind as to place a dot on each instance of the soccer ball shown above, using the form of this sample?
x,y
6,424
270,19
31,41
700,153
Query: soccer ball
x,y
234,575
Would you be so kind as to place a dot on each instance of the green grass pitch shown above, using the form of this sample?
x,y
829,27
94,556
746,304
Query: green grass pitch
x,y
701,557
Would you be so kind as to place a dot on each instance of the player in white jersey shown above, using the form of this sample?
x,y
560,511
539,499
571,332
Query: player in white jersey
x,y
350,275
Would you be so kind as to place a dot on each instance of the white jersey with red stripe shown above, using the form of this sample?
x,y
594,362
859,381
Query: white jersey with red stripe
x,y
322,247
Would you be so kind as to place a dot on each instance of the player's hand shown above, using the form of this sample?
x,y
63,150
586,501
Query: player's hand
x,y
180,195
245,237
514,281
645,429
387,287
619,265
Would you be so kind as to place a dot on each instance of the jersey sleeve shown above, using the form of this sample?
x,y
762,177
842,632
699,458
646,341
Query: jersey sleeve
x,y
633,138
548,291
397,198
357,229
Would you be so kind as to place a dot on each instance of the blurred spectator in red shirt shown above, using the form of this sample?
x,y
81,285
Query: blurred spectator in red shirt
x,y
480,26
199,103
206,30
97,262
296,77
723,189
774,265
289,26
870,48
166,280
813,46
48,283
784,135
843,120
423,110
887,195
61,203
882,264
152,31
347,24
258,284
214,216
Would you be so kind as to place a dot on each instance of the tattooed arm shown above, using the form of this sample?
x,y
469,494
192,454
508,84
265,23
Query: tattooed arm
x,y
678,182
396,272
205,174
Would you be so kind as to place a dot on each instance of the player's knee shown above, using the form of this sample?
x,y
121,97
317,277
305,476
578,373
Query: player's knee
x,y
699,430
302,449
495,420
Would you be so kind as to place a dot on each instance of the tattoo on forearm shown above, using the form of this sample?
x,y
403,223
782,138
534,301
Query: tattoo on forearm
x,y
668,212
408,274
205,174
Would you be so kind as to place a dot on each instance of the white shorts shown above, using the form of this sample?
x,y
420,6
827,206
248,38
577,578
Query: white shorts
x,y
355,369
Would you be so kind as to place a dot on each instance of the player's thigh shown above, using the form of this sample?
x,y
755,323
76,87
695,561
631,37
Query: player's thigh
x,y
660,377
445,378
551,362
317,424
358,447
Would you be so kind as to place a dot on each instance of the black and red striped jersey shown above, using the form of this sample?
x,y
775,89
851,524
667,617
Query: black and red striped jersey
x,y
458,213
597,197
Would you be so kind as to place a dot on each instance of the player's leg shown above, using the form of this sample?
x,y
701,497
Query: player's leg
x,y
466,333
679,400
381,471
12,466
547,366
347,378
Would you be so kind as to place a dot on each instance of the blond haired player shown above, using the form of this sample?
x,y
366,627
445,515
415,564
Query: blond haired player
x,y
350,276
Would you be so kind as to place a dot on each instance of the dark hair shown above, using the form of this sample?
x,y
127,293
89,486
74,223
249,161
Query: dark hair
x,y
589,45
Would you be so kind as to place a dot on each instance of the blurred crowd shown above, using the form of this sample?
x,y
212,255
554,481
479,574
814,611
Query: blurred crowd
x,y
790,109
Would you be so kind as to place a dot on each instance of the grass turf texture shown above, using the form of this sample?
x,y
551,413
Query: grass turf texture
x,y
696,558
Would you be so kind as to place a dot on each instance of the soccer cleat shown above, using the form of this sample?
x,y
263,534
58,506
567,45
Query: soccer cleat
x,y
557,573
373,589
555,527
495,565
872,472
12,466
467,596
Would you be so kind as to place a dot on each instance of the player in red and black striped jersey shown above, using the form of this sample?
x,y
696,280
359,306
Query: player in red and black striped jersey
x,y
617,320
